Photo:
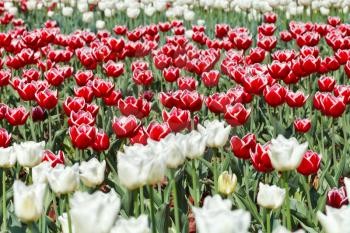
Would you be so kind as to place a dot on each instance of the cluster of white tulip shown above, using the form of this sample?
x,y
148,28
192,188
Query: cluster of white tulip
x,y
336,220
182,9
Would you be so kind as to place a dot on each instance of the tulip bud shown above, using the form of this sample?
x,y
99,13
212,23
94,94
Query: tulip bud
x,y
270,197
227,183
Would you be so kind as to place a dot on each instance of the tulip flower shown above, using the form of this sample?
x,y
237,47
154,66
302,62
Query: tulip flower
x,y
73,105
216,132
302,125
326,83
16,116
286,154
40,172
64,180
5,138
97,207
7,157
92,172
139,166
216,210
28,201
237,114
275,95
131,225
337,198
310,164
227,183
82,136
140,108
270,197
157,131
260,158
242,147
177,119
336,220
29,154
83,77
101,142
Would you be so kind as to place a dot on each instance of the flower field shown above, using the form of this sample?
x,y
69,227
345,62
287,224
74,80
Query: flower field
x,y
209,116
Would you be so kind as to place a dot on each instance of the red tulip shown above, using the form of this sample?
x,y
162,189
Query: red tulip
x,y
347,69
211,78
140,108
47,98
27,90
31,74
5,76
286,36
217,102
329,105
337,198
73,104
257,55
142,77
54,77
242,147
170,99
83,77
81,117
39,114
270,17
139,65
310,163
260,158
221,30
16,116
255,84
237,114
326,83
278,70
267,42
113,69
191,101
5,138
157,131
177,119
242,41
102,88
171,74
308,39
161,61
266,29
295,99
120,30
275,95
333,20
82,136
125,127
101,143
113,99
114,44
344,91
140,137
302,125
187,83
53,159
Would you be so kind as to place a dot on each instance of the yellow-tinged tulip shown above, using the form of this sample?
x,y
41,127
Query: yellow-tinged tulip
x,y
227,183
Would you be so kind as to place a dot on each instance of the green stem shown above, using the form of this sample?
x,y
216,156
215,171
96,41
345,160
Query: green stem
x,y
194,183
153,219
333,143
4,218
215,174
287,202
309,203
268,221
142,202
68,215
176,203
50,138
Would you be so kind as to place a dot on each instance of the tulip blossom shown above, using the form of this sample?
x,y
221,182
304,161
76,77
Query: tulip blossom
x,y
286,154
157,131
139,165
326,83
216,210
216,132
336,198
270,197
177,119
260,158
237,114
132,225
302,125
92,172
82,136
101,142
40,172
5,138
335,220
64,180
29,154
7,157
310,164
243,147
16,116
28,201
227,183
97,208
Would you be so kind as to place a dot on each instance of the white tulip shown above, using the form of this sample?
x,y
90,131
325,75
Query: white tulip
x,y
132,225
83,7
270,197
7,157
160,5
92,213
346,182
170,148
336,220
188,34
194,144
28,200
201,22
139,165
149,10
282,229
92,173
67,11
13,10
121,6
324,10
305,2
40,172
88,17
50,14
64,180
133,13
108,13
100,24
29,154
31,5
189,15
216,216
216,132
286,154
